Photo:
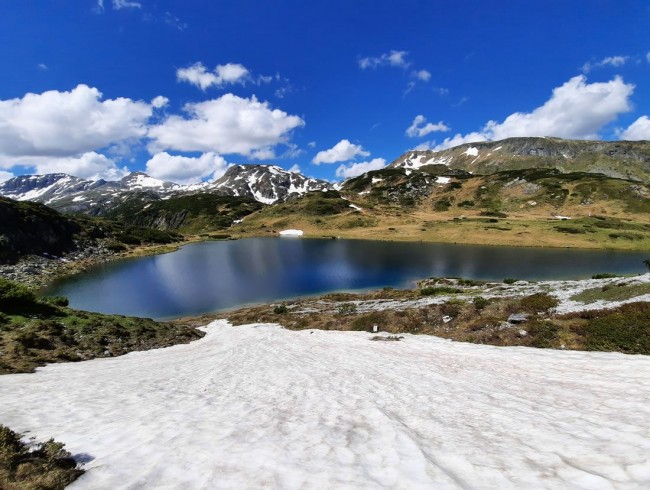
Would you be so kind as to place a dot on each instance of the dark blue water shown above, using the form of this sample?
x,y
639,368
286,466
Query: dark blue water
x,y
210,276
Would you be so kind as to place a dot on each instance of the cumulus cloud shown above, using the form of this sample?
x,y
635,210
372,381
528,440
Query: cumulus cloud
x,y
186,170
614,61
340,152
419,129
422,75
5,175
356,169
647,56
198,75
60,124
638,130
227,125
295,168
576,110
159,102
392,58
90,165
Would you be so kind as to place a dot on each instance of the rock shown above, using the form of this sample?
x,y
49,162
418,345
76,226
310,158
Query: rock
x,y
517,318
522,333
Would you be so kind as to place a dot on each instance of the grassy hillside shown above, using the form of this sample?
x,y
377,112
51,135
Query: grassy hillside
x,y
32,228
188,214
516,207
35,331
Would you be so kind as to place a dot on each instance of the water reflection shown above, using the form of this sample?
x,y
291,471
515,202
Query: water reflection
x,y
209,276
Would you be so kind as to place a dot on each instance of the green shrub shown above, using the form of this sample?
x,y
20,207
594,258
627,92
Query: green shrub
x,y
646,262
365,322
15,297
543,334
280,309
44,466
466,204
626,329
56,300
480,303
442,205
510,280
115,247
494,214
538,302
436,290
604,275
347,309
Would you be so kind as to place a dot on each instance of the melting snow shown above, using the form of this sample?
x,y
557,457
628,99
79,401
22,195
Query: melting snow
x,y
354,206
291,233
141,180
443,180
471,151
259,406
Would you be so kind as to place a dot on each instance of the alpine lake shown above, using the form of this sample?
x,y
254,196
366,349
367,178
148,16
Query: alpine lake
x,y
211,276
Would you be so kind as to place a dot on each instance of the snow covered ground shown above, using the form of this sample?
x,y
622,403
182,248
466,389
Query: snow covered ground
x,y
262,407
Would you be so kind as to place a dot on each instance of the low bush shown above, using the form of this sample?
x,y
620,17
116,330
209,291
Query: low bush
x,y
280,309
604,275
538,302
626,329
43,466
543,334
347,309
15,297
436,290
480,303
510,280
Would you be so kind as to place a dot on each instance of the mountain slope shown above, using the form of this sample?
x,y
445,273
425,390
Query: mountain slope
x,y
266,184
620,159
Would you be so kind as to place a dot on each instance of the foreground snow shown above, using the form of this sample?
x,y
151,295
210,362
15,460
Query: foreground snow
x,y
260,406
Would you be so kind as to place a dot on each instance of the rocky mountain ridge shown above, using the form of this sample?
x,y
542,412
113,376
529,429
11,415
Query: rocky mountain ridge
x,y
628,160
266,184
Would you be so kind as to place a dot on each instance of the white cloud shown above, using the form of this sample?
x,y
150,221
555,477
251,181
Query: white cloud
x,y
614,61
340,152
356,169
159,102
417,129
198,75
647,56
422,75
227,125
5,175
638,130
67,124
41,66
295,168
459,139
186,170
392,58
576,110
123,4
89,165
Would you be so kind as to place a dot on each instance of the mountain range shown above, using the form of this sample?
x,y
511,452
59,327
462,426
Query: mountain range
x,y
266,184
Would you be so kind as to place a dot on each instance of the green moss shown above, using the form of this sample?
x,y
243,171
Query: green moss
x,y
612,292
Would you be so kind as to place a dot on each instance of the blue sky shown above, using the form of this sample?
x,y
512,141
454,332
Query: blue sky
x,y
334,88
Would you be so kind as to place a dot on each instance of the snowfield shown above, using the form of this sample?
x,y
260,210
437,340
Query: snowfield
x,y
259,406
